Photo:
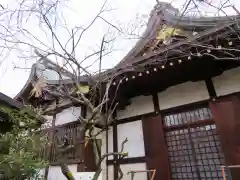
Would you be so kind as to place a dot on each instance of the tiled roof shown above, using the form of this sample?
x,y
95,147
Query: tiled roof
x,y
167,30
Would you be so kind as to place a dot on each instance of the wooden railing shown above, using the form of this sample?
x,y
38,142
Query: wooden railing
x,y
67,135
79,153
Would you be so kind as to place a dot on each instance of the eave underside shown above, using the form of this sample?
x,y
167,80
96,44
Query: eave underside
x,y
155,79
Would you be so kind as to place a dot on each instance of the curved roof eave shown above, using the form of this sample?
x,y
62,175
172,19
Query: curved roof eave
x,y
33,74
162,16
159,15
28,82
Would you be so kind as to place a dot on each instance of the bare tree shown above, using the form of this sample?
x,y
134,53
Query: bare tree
x,y
15,37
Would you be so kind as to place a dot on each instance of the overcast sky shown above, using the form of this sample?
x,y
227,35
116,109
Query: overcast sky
x,y
80,12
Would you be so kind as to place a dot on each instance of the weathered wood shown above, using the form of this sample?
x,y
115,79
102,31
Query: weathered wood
x,y
80,150
155,147
89,158
226,112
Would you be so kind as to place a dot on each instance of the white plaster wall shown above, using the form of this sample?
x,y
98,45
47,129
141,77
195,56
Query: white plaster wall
x,y
85,176
228,82
110,141
55,172
133,167
110,173
139,105
181,94
68,115
134,133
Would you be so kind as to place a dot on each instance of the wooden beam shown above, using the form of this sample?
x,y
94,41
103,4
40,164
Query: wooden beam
x,y
115,149
226,113
210,87
82,151
134,118
155,102
89,158
191,125
68,162
133,160
155,147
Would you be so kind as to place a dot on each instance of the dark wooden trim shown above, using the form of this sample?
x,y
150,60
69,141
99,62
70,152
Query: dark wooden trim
x,y
192,124
68,161
132,160
156,151
115,149
106,146
228,95
210,87
155,102
186,107
80,153
83,111
89,158
52,138
53,134
226,113
134,118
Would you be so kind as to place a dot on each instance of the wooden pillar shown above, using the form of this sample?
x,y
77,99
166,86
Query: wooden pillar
x,y
226,113
155,147
90,158
115,149
80,147
80,152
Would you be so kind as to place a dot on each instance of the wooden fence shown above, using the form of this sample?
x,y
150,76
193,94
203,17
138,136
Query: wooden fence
x,y
67,134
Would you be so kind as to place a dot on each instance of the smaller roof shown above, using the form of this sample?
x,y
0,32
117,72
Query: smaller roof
x,y
9,101
47,71
5,125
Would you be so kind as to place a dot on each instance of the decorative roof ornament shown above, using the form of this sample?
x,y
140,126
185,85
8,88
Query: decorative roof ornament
x,y
166,32
38,88
163,7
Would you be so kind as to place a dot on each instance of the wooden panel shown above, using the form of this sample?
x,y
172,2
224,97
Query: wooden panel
x,y
226,112
115,149
89,158
129,160
155,147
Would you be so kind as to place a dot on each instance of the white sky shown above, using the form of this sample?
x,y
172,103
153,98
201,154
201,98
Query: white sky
x,y
81,12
